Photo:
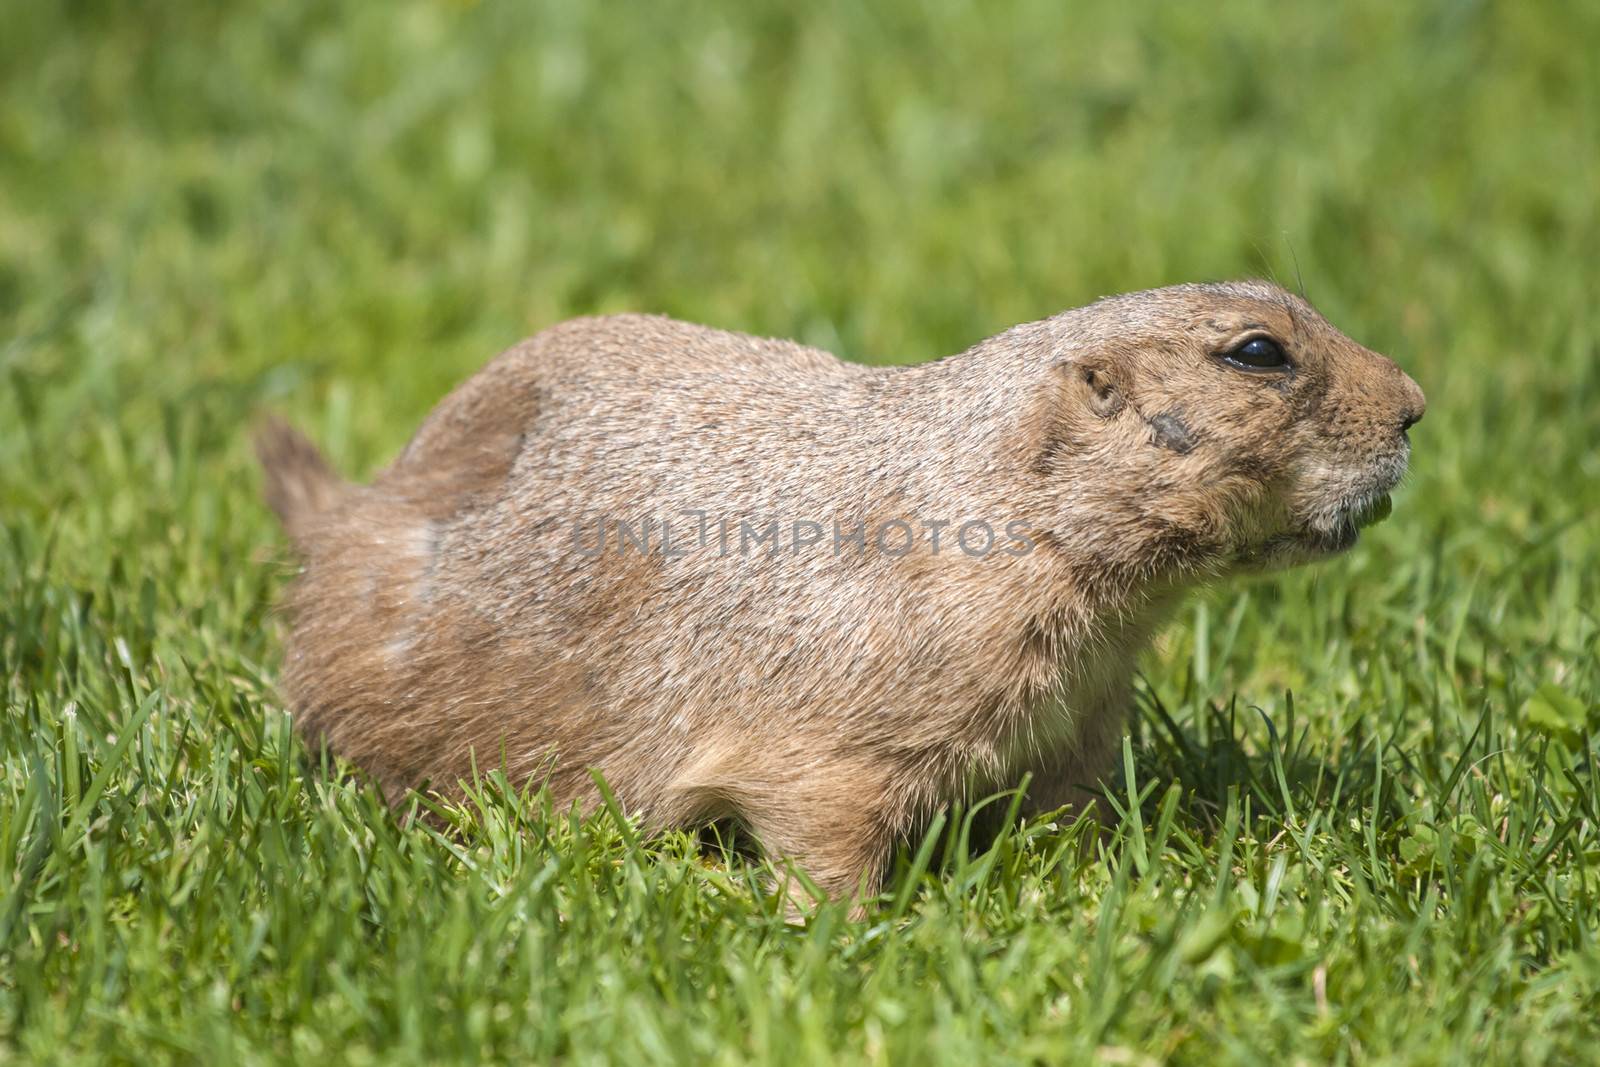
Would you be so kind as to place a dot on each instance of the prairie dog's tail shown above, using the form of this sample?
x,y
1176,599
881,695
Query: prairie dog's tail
x,y
300,484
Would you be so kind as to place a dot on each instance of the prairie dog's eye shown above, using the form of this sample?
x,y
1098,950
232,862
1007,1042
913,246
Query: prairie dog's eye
x,y
1258,353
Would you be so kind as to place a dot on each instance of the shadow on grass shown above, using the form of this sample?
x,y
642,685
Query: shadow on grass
x,y
1234,769
1237,754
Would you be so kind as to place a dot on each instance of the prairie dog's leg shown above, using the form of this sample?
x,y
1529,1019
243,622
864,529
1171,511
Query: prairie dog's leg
x,y
1078,775
839,832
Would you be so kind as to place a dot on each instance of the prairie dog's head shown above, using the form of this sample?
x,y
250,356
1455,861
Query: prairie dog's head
x,y
1236,429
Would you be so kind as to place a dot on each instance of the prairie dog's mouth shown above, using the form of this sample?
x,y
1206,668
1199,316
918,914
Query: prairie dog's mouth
x,y
1353,498
1373,511
1340,527
1334,531
1367,510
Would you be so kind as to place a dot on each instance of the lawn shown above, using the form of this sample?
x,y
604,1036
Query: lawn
x,y
1363,809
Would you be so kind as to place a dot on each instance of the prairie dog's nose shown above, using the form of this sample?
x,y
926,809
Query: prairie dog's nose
x,y
1413,404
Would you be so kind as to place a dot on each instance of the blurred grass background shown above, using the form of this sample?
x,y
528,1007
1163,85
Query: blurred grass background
x,y
339,210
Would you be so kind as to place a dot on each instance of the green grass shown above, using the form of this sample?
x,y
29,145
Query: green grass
x,y
1364,815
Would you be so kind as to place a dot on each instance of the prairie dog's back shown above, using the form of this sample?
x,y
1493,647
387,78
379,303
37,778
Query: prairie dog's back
x,y
565,370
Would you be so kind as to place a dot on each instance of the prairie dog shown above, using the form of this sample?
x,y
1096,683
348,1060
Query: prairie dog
x,y
742,578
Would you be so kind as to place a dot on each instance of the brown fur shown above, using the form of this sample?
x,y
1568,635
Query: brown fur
x,y
829,701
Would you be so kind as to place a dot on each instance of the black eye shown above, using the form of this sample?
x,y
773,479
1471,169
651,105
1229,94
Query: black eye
x,y
1258,353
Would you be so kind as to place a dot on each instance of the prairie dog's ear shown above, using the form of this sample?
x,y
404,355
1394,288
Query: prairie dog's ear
x,y
1099,383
